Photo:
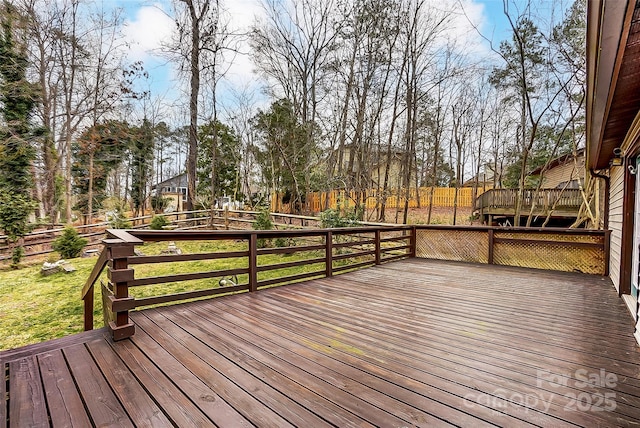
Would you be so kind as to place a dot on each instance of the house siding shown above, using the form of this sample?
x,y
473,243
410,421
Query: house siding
x,y
563,173
616,193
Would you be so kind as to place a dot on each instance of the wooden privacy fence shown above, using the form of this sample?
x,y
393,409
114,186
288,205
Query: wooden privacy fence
x,y
315,253
442,197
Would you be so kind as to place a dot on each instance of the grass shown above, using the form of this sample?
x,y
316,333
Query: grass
x,y
35,308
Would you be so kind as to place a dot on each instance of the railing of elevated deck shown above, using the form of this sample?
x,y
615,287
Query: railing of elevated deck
x,y
543,199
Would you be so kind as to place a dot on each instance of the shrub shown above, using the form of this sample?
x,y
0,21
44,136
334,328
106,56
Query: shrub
x,y
117,220
69,244
158,222
16,256
263,222
159,203
332,218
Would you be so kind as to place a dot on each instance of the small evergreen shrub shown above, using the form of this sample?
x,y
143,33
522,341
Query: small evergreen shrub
x,y
158,222
331,218
69,244
263,222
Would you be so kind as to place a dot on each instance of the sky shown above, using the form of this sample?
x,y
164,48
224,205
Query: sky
x,y
148,24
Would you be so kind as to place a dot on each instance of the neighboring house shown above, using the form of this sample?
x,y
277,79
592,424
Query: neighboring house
x,y
484,180
613,132
379,164
174,189
564,172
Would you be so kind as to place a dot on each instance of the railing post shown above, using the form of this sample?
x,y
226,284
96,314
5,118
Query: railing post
x,y
119,275
413,241
328,262
377,245
491,244
88,309
607,251
253,262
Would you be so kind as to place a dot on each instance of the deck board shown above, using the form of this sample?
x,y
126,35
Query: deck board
x,y
63,400
409,343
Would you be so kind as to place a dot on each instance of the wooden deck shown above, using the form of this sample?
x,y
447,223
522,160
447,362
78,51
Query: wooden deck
x,y
410,343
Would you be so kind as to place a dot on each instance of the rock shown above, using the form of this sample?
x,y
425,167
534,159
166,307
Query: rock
x,y
172,249
90,253
59,266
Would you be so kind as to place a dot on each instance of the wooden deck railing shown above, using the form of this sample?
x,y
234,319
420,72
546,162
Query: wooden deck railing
x,y
322,253
326,252
572,250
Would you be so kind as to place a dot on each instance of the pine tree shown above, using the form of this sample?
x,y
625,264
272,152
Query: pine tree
x,y
18,100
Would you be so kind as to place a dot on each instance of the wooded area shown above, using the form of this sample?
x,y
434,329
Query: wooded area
x,y
354,95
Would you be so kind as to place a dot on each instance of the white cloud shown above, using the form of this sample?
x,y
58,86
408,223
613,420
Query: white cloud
x,y
147,31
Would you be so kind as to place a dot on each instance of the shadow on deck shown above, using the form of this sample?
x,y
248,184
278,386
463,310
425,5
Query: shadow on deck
x,y
408,343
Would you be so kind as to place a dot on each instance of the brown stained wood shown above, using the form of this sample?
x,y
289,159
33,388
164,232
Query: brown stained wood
x,y
102,404
146,301
63,400
141,408
373,354
353,255
253,262
299,405
279,280
186,277
382,377
169,258
396,238
3,393
419,340
394,398
413,359
296,263
286,250
124,235
354,266
245,393
175,399
320,385
350,244
101,263
548,242
328,255
27,406
503,330
49,345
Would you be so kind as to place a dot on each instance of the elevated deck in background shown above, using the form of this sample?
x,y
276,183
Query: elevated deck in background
x,y
414,342
557,203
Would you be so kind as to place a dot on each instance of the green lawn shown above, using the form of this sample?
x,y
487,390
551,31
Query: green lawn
x,y
34,308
